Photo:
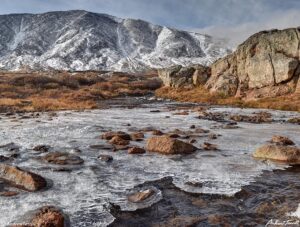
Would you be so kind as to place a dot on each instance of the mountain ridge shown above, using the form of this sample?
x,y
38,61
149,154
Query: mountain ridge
x,y
82,40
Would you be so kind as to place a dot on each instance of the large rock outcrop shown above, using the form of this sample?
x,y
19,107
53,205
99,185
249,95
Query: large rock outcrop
x,y
267,64
178,76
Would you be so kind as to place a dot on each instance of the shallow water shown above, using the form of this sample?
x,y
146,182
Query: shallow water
x,y
85,193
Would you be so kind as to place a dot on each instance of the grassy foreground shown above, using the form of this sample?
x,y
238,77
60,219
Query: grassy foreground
x,y
201,95
43,91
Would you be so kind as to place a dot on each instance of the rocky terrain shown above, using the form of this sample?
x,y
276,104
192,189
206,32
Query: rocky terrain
x,y
266,64
80,40
262,72
97,148
148,161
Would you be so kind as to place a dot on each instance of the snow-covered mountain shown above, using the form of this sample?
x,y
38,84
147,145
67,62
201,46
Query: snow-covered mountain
x,y
80,40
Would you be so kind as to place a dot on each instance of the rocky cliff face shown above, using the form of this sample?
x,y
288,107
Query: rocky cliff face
x,y
80,40
178,76
265,65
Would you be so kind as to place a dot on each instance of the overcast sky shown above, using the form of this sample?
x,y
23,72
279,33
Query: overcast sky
x,y
231,19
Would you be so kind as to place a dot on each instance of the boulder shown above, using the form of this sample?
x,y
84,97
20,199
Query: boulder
x,y
8,193
120,147
288,154
4,158
268,92
137,136
157,133
178,76
182,220
209,146
225,85
256,118
62,158
282,140
298,86
136,150
183,113
22,178
105,158
47,216
101,147
140,196
213,136
110,135
41,148
118,140
265,61
201,75
168,145
295,120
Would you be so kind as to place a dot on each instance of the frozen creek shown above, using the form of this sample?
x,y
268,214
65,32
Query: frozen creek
x,y
85,192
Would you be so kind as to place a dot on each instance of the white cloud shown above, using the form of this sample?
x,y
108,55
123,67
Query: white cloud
x,y
238,33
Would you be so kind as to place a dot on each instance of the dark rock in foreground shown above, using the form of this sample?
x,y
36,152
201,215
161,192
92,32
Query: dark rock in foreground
x,y
22,178
62,158
47,216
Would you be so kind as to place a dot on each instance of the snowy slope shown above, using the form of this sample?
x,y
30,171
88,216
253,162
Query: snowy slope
x,y
80,40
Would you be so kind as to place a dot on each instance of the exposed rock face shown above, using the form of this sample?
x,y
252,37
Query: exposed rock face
x,y
168,145
21,178
267,60
178,76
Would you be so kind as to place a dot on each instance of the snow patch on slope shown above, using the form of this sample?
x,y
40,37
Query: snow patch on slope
x,y
80,40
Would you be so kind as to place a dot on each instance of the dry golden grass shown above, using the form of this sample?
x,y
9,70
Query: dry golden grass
x,y
65,91
201,95
50,104
9,102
